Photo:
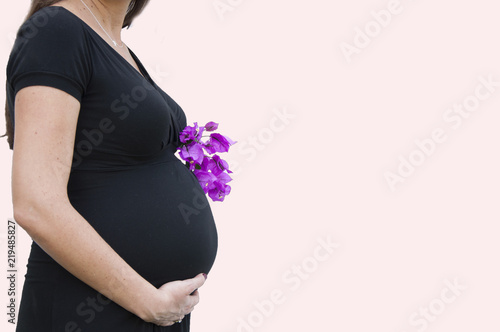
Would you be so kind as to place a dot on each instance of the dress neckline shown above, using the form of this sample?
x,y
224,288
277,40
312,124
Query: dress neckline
x,y
142,70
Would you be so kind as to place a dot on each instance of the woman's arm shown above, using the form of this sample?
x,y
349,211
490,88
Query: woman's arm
x,y
45,127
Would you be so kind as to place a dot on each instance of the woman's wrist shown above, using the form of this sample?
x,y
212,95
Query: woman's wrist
x,y
144,302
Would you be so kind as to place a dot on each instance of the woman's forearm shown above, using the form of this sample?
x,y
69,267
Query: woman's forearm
x,y
70,240
46,121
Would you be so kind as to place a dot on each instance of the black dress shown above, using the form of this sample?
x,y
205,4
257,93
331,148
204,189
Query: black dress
x,y
125,179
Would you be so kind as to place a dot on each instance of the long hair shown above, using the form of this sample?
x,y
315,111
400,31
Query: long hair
x,y
135,8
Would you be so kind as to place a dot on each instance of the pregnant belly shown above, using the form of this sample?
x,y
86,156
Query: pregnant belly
x,y
156,217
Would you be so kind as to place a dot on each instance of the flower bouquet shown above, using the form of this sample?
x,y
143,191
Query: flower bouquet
x,y
210,170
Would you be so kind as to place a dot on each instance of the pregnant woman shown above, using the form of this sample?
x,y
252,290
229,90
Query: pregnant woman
x,y
95,181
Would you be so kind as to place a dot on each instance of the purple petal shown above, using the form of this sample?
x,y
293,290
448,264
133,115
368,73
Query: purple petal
x,y
219,143
209,148
196,152
184,154
230,141
221,165
206,180
200,133
223,178
191,163
219,192
208,164
189,133
211,126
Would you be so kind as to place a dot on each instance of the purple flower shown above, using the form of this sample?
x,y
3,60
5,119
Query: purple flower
x,y
191,134
218,143
206,179
208,164
191,163
188,134
220,165
192,153
220,191
211,171
211,126
223,178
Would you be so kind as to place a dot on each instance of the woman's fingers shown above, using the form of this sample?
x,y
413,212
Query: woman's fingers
x,y
170,322
194,295
181,298
195,283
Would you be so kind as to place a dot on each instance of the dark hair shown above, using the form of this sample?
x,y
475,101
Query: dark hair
x,y
135,8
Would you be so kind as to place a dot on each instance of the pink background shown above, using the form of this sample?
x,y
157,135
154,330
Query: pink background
x,y
320,172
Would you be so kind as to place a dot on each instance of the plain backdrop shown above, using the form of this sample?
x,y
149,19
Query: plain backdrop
x,y
319,131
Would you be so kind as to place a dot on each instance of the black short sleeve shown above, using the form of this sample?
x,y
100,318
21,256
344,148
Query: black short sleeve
x,y
50,50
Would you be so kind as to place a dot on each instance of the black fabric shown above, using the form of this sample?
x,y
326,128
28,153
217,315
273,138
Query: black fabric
x,y
125,179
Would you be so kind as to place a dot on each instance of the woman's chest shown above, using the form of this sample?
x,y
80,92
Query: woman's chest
x,y
123,115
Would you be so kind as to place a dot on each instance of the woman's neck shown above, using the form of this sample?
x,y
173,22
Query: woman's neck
x,y
110,13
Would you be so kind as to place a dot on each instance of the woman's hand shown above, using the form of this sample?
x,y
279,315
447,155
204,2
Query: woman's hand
x,y
174,300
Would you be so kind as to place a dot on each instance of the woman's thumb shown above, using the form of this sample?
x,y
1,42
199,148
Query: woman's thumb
x,y
197,282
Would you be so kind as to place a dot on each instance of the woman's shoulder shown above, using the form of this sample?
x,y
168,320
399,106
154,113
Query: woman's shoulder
x,y
51,43
54,23
51,15
52,31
